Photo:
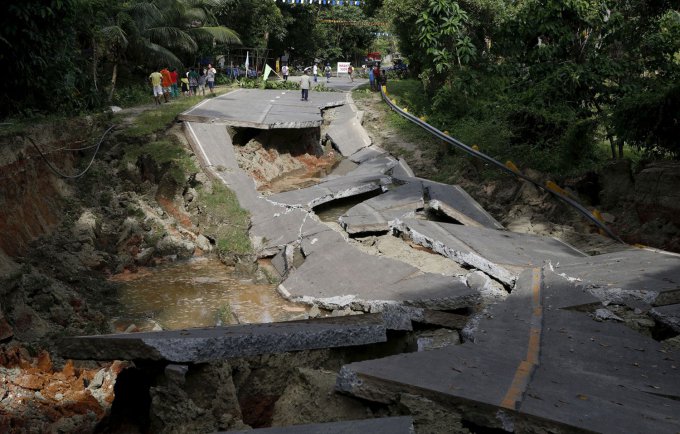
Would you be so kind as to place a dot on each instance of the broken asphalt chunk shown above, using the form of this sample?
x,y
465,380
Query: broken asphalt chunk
x,y
202,345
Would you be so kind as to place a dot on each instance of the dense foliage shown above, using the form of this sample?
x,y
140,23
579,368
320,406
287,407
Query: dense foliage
x,y
552,78
548,77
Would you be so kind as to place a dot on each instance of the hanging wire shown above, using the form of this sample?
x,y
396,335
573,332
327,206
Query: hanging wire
x,y
57,171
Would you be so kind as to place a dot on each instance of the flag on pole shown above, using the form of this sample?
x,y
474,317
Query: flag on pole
x,y
247,53
267,70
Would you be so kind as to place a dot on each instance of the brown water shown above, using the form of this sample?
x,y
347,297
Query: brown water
x,y
201,292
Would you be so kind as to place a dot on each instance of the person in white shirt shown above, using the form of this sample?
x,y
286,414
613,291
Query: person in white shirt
x,y
305,85
284,72
210,78
315,71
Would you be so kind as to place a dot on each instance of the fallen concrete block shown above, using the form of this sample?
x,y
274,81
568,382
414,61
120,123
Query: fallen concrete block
x,y
374,215
367,153
348,136
668,315
385,425
378,284
381,165
456,203
218,343
402,170
500,254
444,319
332,189
634,275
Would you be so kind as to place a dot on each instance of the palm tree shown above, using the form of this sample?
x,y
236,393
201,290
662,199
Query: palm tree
x,y
154,32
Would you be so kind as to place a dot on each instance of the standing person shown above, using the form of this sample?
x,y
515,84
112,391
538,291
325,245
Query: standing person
x,y
383,78
284,72
304,85
315,71
371,78
186,90
350,70
193,81
376,76
202,78
210,78
173,79
156,79
327,70
166,83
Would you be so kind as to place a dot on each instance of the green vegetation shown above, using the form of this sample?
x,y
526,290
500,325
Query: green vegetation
x,y
157,119
175,159
224,315
229,223
71,55
544,83
550,80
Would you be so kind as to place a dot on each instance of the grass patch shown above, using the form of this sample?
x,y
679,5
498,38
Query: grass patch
x,y
229,223
158,119
174,157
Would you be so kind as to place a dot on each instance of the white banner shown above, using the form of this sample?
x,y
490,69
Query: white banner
x,y
342,67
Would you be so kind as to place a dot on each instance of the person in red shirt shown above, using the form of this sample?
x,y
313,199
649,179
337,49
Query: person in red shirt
x,y
174,79
166,83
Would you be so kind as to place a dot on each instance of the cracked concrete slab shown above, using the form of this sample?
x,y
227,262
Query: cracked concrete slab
x,y
264,109
381,164
384,425
367,153
537,366
637,275
374,215
332,189
668,315
348,136
500,254
335,275
402,170
456,203
203,345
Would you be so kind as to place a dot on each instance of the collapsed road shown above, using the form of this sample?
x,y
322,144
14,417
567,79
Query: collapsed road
x,y
546,344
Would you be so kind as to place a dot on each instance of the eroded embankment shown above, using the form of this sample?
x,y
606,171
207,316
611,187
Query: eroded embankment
x,y
142,202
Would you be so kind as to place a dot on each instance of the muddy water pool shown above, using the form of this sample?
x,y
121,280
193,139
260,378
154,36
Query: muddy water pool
x,y
201,292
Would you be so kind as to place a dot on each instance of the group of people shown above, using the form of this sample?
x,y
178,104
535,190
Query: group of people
x,y
167,83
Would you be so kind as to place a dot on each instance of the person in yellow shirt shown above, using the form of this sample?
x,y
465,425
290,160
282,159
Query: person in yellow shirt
x,y
156,79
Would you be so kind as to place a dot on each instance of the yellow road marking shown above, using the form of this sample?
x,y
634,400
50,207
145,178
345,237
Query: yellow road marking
x,y
526,367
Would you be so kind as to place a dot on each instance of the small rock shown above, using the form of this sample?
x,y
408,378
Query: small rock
x,y
30,381
115,109
606,314
203,243
98,380
344,312
44,362
314,312
176,373
608,218
132,328
190,195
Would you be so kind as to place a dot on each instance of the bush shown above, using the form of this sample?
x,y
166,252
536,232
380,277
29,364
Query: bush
x,y
649,120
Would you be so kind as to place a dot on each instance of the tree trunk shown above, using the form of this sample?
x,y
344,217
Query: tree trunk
x,y
612,145
94,63
114,76
620,142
